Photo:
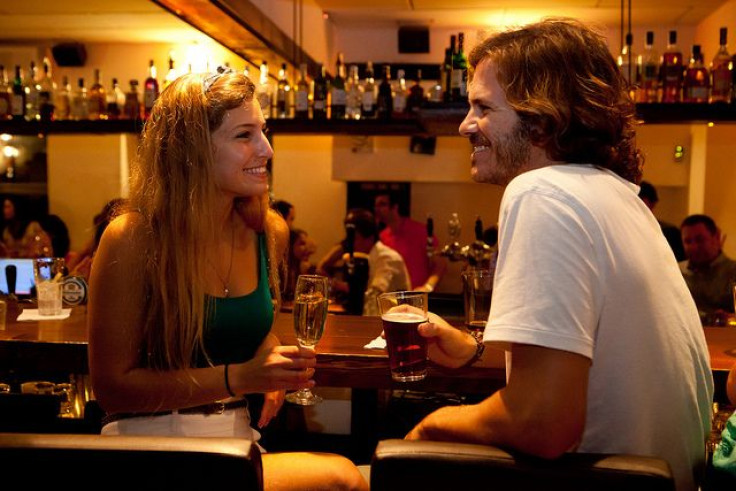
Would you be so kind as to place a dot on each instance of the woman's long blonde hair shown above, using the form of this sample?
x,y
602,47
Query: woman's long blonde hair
x,y
173,190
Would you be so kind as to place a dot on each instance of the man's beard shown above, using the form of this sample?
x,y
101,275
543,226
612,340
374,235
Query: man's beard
x,y
512,153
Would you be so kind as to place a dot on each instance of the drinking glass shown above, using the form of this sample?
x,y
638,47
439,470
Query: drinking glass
x,y
401,313
48,273
310,313
477,288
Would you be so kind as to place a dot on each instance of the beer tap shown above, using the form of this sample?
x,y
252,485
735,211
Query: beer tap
x,y
430,234
453,250
478,253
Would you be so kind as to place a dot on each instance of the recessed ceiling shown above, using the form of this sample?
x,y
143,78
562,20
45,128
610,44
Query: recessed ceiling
x,y
126,21
457,13
144,21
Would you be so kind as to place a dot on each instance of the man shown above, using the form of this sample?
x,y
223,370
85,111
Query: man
x,y
387,271
648,194
709,273
605,352
409,238
286,210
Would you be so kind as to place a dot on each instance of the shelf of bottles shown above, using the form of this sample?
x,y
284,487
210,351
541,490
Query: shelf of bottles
x,y
368,99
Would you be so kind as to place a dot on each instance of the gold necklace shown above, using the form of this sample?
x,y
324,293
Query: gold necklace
x,y
226,282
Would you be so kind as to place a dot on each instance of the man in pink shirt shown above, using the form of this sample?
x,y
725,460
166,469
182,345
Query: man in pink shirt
x,y
409,238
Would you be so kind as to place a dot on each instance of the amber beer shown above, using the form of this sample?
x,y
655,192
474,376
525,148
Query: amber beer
x,y
407,349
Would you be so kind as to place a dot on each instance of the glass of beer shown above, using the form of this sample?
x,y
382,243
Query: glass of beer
x,y
310,313
401,313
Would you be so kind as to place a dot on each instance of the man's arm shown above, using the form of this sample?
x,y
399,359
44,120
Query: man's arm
x,y
541,411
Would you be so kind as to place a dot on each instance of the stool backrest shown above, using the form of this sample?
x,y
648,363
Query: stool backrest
x,y
402,464
78,461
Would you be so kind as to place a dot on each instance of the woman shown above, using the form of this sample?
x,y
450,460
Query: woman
x,y
300,249
23,237
180,305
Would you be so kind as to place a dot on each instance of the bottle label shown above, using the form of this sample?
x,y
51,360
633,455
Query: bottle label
x,y
16,105
4,106
399,103
339,97
302,101
457,79
721,81
149,97
369,102
699,93
319,105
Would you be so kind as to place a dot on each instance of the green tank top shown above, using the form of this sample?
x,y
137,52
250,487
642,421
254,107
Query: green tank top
x,y
236,326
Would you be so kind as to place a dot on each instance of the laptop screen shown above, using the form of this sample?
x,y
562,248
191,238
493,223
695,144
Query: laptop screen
x,y
24,277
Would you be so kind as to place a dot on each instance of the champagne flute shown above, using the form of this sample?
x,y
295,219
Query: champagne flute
x,y
310,314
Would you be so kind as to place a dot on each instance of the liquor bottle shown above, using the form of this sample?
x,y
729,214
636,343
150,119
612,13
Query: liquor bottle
x,y
385,101
115,100
18,97
721,72
80,105
338,96
416,95
63,100
246,71
46,91
648,71
150,90
170,74
354,94
671,70
263,91
447,72
696,83
459,71
627,65
4,94
400,95
319,94
132,107
369,93
30,85
283,92
96,99
301,106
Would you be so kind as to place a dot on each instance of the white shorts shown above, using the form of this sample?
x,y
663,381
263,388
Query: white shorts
x,y
231,423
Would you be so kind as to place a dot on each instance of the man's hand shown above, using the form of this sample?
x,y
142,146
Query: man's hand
x,y
447,345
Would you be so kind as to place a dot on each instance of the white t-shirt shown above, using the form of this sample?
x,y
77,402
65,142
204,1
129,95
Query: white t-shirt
x,y
583,267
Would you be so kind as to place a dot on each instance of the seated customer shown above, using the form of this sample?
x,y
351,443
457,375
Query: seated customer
x,y
648,194
386,269
708,272
301,247
604,349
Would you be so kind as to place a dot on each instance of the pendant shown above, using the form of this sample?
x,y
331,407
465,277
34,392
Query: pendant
x,y
227,292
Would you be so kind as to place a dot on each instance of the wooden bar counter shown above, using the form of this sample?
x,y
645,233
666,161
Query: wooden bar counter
x,y
342,361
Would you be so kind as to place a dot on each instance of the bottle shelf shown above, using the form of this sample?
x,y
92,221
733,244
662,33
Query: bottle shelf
x,y
440,119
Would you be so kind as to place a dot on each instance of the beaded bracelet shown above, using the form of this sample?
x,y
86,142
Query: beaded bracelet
x,y
227,381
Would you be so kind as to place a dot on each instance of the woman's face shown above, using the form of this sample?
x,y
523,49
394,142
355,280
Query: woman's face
x,y
8,210
300,249
241,152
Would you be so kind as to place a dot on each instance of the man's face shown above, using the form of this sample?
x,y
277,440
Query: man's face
x,y
701,246
382,208
501,147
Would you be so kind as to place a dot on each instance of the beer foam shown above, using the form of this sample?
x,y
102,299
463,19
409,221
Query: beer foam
x,y
404,317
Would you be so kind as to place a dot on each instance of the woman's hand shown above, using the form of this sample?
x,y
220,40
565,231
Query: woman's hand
x,y
275,368
272,403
